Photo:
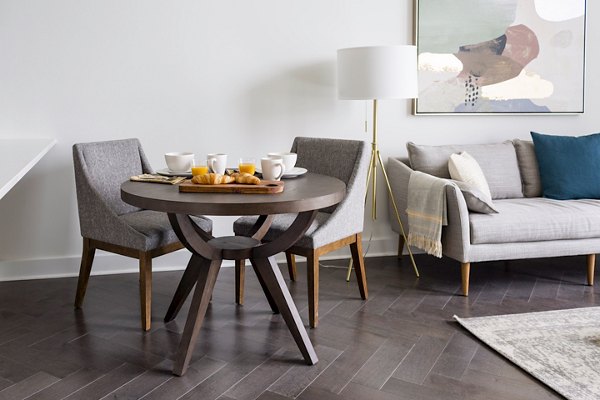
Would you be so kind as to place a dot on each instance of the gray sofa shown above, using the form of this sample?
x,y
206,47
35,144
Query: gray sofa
x,y
527,224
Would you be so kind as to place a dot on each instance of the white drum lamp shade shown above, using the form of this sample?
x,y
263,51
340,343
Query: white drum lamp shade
x,y
377,72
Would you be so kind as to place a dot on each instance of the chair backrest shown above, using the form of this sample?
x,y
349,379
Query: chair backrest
x,y
344,159
100,169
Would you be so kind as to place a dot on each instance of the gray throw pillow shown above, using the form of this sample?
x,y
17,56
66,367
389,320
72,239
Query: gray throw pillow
x,y
476,200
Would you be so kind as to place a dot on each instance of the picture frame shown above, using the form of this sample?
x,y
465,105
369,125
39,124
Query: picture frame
x,y
500,57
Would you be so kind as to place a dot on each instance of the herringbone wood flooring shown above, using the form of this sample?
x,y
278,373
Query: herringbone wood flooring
x,y
400,344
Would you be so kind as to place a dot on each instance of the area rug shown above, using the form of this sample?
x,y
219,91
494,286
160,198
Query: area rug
x,y
560,348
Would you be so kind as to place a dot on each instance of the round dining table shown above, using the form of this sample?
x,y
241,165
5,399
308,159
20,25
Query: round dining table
x,y
303,196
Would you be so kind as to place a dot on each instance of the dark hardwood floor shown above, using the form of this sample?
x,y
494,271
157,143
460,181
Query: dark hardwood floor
x,y
400,344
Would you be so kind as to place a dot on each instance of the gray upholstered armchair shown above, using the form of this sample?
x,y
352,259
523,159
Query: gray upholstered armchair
x,y
107,223
334,227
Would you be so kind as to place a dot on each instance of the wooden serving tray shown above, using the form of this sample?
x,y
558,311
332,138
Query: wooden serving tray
x,y
265,187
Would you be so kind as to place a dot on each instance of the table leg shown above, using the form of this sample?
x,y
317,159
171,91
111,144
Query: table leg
x,y
188,280
204,288
265,289
268,271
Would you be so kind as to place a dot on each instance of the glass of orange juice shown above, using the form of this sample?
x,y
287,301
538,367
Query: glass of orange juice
x,y
247,165
199,169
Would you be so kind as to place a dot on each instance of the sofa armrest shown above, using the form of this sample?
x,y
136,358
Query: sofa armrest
x,y
456,236
399,174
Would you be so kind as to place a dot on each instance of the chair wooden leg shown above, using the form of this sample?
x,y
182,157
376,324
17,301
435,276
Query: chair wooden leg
x,y
312,269
465,269
591,264
146,289
359,266
291,263
87,258
240,277
401,242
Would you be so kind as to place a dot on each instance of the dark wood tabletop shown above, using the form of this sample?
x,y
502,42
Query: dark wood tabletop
x,y
306,193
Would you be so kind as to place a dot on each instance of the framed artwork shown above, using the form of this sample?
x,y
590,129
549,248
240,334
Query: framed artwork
x,y
500,56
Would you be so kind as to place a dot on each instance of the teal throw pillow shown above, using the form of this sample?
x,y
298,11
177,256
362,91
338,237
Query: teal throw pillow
x,y
569,166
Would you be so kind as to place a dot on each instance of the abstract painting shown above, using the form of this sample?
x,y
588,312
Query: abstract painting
x,y
500,56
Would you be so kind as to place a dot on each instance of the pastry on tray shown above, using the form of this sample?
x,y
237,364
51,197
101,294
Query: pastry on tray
x,y
218,179
212,179
246,178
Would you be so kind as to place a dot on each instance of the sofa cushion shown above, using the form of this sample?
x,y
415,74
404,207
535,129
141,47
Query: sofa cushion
x,y
536,219
497,161
528,166
569,165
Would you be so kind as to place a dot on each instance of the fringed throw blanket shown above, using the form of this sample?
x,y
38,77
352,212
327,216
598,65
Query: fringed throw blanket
x,y
426,212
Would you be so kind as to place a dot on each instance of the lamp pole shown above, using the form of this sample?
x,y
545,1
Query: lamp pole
x,y
374,153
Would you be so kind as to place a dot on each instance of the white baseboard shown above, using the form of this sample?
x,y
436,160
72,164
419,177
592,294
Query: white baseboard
x,y
107,263
104,264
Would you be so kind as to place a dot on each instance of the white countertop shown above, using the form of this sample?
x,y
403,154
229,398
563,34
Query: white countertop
x,y
18,156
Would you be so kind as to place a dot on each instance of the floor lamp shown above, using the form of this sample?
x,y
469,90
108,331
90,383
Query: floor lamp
x,y
376,73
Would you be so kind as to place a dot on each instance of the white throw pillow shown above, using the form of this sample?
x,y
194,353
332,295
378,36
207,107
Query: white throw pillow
x,y
463,167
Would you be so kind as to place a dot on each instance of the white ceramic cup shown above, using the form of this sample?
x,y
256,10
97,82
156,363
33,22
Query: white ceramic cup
x,y
272,168
217,162
289,159
179,161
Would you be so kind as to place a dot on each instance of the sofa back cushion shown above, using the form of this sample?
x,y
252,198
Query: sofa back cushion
x,y
497,161
528,166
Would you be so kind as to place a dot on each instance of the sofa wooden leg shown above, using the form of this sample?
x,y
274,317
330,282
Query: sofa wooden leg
x,y
465,269
591,264
400,245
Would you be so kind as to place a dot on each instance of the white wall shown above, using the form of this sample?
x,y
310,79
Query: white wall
x,y
242,77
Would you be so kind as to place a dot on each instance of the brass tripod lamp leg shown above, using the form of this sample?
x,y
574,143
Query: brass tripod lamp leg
x,y
349,272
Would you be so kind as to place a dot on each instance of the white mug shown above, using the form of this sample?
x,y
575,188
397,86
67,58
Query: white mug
x,y
272,168
217,163
289,159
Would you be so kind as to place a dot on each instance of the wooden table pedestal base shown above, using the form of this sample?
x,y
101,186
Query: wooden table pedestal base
x,y
203,268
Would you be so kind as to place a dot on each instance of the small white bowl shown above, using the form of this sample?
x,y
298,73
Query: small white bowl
x,y
179,161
